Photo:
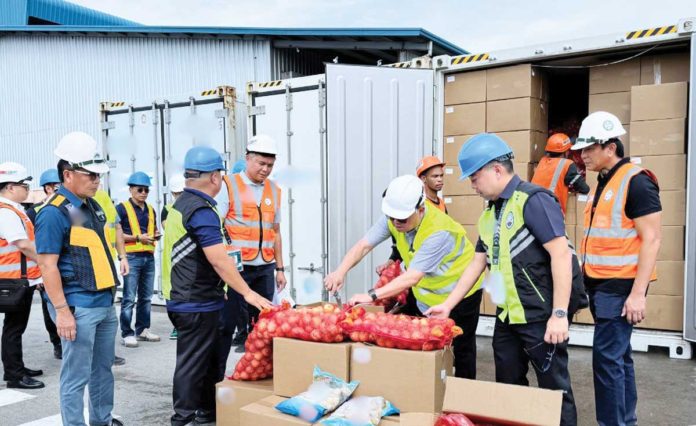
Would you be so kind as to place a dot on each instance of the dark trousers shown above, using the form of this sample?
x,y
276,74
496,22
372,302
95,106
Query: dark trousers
x,y
237,314
48,322
466,316
616,397
12,330
515,346
195,374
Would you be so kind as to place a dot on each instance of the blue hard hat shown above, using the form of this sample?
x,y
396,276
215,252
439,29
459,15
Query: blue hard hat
x,y
480,150
239,166
203,159
139,179
49,176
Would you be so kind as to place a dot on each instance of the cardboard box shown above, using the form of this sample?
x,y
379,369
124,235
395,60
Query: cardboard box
x,y
472,233
525,170
571,215
672,246
465,119
670,279
232,395
618,103
570,232
527,145
516,81
294,361
669,169
454,186
664,313
264,413
390,421
579,233
668,68
658,101
583,316
418,419
673,207
517,114
465,209
420,387
615,78
483,401
658,137
465,87
489,308
451,147
581,201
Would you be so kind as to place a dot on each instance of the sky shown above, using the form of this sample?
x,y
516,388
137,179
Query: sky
x,y
475,25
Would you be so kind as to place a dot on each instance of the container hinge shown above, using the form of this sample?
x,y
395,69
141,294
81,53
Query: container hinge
x,y
257,110
108,125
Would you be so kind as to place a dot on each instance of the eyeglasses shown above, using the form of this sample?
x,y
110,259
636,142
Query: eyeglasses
x,y
23,185
399,221
92,176
541,356
143,189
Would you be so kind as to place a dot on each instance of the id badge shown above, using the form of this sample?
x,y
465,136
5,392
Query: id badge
x,y
237,256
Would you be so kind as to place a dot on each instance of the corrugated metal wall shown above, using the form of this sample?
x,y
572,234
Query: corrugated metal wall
x,y
53,84
302,63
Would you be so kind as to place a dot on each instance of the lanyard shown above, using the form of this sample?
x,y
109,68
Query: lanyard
x,y
495,251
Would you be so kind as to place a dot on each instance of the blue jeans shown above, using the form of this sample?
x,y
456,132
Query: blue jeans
x,y
614,377
140,280
87,361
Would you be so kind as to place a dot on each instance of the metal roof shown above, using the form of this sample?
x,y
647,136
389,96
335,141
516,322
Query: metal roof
x,y
54,12
416,39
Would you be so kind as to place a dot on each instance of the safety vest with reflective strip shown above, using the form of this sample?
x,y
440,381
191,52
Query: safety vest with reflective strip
x,y
135,246
434,287
550,174
441,205
251,225
610,243
102,198
11,257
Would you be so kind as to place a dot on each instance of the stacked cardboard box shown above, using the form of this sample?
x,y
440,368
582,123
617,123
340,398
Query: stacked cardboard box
x,y
610,90
658,143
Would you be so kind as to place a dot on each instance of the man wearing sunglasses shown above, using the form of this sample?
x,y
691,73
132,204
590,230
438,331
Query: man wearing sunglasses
x,y
80,279
18,271
523,243
435,251
139,223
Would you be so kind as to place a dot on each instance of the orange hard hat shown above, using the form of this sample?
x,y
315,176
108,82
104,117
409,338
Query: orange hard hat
x,y
428,163
559,142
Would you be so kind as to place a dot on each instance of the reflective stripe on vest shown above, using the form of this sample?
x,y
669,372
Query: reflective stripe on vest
x,y
434,287
135,246
11,256
102,198
251,225
550,174
610,244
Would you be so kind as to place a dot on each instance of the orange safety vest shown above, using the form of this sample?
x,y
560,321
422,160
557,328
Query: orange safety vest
x,y
440,205
550,174
249,225
11,257
133,246
610,244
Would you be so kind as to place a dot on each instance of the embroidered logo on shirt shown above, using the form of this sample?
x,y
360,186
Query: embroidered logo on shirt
x,y
267,201
608,195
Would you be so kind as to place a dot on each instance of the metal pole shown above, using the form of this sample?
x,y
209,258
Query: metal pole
x,y
158,192
288,115
321,94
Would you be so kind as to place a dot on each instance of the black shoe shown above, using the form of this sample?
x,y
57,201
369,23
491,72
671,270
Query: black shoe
x,y
240,349
119,361
25,383
115,422
203,417
32,373
58,352
239,339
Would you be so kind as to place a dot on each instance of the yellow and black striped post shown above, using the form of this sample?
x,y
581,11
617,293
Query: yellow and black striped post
x,y
650,32
209,92
457,60
271,84
116,104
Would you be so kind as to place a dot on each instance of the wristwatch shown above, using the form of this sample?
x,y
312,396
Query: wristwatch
x,y
281,269
372,294
560,313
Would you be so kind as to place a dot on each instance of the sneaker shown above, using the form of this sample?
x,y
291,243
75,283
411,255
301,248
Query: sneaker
x,y
148,336
129,342
173,335
239,339
118,360
240,349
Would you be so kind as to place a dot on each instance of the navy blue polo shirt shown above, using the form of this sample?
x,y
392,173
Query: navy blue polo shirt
x,y
141,214
52,237
542,214
204,227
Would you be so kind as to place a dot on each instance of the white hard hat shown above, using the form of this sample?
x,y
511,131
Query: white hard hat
x,y
263,144
13,172
81,150
403,196
177,183
598,127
